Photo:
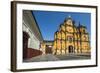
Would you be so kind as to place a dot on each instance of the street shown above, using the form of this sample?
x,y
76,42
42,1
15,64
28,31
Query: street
x,y
51,57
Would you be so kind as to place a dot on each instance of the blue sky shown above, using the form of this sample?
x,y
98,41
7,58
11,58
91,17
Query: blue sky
x,y
49,21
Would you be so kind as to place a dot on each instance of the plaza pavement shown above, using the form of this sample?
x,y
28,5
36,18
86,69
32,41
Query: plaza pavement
x,y
51,57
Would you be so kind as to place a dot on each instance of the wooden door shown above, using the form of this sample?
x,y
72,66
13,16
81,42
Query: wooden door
x,y
48,49
25,44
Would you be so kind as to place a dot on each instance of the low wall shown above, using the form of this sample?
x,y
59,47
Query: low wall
x,y
33,52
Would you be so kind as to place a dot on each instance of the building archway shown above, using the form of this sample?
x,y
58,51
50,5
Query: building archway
x,y
25,44
71,49
48,49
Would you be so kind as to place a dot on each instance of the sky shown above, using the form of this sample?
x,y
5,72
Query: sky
x,y
49,21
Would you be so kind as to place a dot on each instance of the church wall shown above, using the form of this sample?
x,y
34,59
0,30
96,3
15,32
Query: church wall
x,y
69,36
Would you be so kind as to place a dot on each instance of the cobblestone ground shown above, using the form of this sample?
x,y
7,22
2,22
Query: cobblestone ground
x,y
51,57
74,57
47,57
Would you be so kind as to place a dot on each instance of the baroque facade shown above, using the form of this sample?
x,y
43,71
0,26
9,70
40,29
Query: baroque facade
x,y
70,38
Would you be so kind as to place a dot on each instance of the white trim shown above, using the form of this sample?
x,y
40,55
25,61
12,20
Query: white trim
x,y
21,65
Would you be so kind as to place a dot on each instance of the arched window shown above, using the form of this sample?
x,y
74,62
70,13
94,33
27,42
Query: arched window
x,y
70,39
84,31
85,38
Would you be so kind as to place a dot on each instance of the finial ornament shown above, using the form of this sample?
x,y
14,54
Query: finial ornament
x,y
69,16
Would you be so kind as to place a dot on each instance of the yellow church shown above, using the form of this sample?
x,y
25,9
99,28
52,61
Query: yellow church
x,y
69,39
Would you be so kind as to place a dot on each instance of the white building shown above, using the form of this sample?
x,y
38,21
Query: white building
x,y
31,34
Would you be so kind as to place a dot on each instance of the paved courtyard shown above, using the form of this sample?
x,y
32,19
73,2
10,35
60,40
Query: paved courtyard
x,y
51,57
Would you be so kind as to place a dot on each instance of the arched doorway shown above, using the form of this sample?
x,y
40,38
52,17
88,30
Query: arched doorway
x,y
70,49
48,49
25,44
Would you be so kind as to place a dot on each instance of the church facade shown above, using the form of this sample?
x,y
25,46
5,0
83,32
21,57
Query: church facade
x,y
69,39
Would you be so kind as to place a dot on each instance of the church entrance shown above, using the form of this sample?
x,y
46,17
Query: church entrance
x,y
48,49
70,49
